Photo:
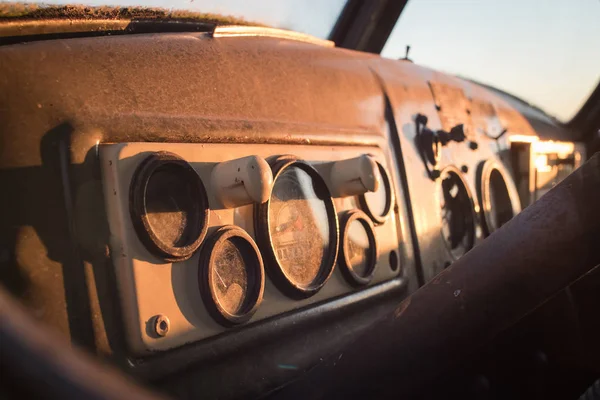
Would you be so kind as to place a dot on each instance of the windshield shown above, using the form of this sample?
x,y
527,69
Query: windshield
x,y
314,17
545,52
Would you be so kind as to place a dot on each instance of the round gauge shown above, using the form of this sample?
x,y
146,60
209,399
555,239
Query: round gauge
x,y
358,250
377,205
497,195
231,276
298,229
458,216
168,206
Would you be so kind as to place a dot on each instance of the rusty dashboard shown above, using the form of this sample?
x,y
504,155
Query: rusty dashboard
x,y
326,185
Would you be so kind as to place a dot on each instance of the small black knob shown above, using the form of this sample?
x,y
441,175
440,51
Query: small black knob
x,y
421,119
435,174
464,169
473,146
457,133
444,137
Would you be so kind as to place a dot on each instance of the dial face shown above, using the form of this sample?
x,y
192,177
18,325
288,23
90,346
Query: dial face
x,y
170,206
299,226
458,229
230,277
358,247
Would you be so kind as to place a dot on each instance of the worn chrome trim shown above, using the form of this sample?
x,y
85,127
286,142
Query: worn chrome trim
x,y
260,31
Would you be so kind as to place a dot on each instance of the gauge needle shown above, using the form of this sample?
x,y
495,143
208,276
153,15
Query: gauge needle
x,y
290,225
221,279
284,227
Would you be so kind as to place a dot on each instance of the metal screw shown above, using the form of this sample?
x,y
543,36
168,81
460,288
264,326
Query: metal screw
x,y
161,325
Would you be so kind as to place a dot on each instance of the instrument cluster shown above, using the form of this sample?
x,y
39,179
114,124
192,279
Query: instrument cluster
x,y
473,191
206,238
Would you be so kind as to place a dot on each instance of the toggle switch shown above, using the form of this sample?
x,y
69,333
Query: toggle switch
x,y
242,181
355,176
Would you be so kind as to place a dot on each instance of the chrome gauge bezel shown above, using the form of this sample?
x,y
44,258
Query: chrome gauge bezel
x,y
139,212
254,270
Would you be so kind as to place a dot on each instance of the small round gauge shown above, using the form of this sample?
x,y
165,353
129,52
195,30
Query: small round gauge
x,y
377,205
498,196
358,250
298,229
231,276
458,215
168,206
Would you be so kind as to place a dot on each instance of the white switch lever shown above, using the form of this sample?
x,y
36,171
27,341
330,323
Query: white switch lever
x,y
242,181
355,176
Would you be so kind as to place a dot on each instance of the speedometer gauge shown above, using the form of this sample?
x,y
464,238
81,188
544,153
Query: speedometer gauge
x,y
298,229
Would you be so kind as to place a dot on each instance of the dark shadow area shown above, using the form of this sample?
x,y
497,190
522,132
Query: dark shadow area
x,y
54,228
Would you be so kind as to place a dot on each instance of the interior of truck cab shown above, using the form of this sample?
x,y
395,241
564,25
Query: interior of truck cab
x,y
300,199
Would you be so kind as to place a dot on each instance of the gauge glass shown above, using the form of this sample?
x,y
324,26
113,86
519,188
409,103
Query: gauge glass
x,y
358,247
230,277
299,226
170,206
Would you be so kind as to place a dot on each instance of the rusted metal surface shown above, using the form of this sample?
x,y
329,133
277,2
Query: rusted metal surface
x,y
530,259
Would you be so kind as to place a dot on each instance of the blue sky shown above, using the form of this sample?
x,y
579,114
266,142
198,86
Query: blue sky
x,y
545,51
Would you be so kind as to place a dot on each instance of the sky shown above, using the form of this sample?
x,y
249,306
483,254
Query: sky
x,y
544,51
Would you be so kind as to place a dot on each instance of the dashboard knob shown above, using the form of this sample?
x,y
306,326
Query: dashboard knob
x,y
355,176
242,181
457,133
